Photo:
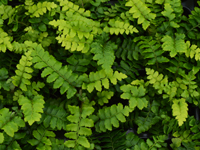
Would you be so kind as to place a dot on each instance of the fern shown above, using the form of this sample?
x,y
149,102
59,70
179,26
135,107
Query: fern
x,y
142,12
104,96
151,50
133,142
110,116
113,140
174,45
169,13
41,138
79,127
146,121
54,117
127,50
119,27
39,9
23,76
62,77
5,42
100,78
180,110
104,52
10,123
77,30
12,142
32,108
192,51
79,62
3,81
135,95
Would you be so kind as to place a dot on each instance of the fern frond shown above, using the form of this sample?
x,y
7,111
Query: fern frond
x,y
79,127
104,96
145,123
134,142
180,110
12,142
135,95
62,77
169,13
161,83
39,9
3,79
192,51
191,90
32,109
127,50
104,52
100,78
5,41
151,50
141,11
174,45
113,140
78,63
54,117
69,6
9,123
111,116
41,138
119,27
23,72
76,30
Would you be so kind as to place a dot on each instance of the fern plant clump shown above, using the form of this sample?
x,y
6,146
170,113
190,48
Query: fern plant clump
x,y
80,74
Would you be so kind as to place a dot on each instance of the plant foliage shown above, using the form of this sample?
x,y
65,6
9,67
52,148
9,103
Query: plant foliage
x,y
98,75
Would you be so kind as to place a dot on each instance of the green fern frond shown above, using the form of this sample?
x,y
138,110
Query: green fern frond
x,y
151,50
174,45
127,50
111,116
145,123
69,6
61,76
3,79
104,96
5,41
161,84
54,117
135,143
180,110
76,30
39,9
135,95
12,142
100,78
78,63
119,27
9,123
32,108
170,125
141,11
192,51
79,127
41,138
191,90
23,72
169,13
113,140
104,52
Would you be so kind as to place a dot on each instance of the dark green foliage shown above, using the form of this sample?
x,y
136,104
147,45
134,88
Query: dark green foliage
x,y
77,75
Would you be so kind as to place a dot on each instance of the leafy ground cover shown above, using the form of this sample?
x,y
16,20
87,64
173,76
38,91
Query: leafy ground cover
x,y
79,74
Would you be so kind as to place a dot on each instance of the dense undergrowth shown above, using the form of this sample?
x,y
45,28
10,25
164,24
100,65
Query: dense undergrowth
x,y
80,74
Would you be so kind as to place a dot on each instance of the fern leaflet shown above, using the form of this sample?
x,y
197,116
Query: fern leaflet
x,y
32,108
